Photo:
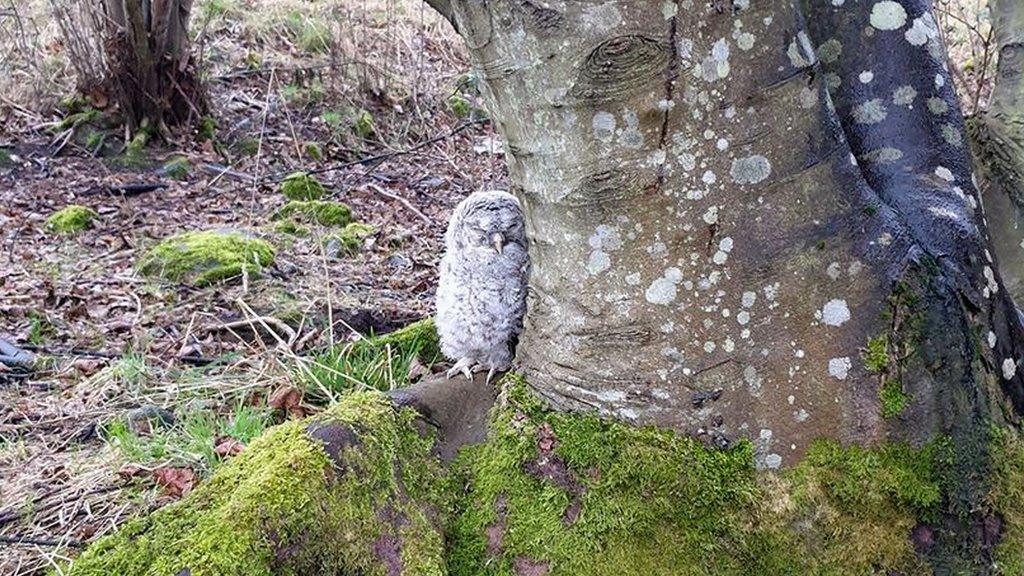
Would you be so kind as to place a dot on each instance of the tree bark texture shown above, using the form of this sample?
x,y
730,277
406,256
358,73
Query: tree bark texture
x,y
728,201
149,59
997,137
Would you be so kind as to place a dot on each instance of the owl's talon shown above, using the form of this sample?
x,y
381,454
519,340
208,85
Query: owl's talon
x,y
462,366
490,375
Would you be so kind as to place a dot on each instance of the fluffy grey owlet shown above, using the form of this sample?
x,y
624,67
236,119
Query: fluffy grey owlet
x,y
481,297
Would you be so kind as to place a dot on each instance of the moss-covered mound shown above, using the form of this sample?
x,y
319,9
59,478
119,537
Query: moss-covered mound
x,y
350,239
70,220
333,214
364,501
302,186
564,494
202,258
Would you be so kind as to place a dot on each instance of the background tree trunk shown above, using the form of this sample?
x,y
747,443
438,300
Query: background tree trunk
x,y
997,137
150,64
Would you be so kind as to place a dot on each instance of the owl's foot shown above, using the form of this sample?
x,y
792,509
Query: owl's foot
x,y
464,366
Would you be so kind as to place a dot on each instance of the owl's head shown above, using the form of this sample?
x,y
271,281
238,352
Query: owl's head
x,y
487,220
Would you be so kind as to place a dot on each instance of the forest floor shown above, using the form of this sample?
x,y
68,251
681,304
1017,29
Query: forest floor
x,y
288,86
372,95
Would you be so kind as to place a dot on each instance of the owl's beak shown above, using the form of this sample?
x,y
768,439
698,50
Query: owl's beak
x,y
498,241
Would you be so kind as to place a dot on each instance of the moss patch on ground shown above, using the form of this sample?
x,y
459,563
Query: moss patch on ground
x,y
302,186
1006,497
350,240
71,220
203,258
332,214
284,506
577,495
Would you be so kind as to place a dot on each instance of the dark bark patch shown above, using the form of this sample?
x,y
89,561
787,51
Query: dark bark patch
x,y
496,532
611,188
524,566
389,549
335,438
619,67
543,18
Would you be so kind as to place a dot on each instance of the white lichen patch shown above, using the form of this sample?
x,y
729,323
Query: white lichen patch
x,y
937,106
839,368
991,339
888,15
808,97
605,239
750,170
835,312
951,134
663,290
1009,368
866,77
945,174
904,96
603,124
669,10
711,215
870,112
748,299
990,280
830,50
923,30
883,155
745,41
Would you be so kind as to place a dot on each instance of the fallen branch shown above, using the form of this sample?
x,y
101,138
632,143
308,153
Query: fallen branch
x,y
379,159
126,189
14,357
40,541
403,201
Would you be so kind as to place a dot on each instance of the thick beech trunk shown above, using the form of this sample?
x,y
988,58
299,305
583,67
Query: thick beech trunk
x,y
997,136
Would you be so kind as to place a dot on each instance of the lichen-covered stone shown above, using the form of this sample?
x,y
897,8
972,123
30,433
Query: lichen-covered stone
x,y
202,258
334,214
71,220
352,491
302,186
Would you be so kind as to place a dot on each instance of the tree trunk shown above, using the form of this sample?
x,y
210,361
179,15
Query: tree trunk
x,y
997,137
148,55
754,224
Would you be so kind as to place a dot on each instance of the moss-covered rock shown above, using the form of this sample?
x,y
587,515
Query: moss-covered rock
x,y
350,240
352,491
202,258
323,213
71,220
302,186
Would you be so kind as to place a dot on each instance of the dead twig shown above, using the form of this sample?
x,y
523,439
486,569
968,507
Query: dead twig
x,y
401,200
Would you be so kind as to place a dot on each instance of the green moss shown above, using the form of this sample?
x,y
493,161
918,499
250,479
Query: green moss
x,y
350,240
291,227
302,186
459,106
363,124
135,150
314,151
177,168
876,355
5,158
648,501
893,399
77,119
282,507
1006,496
207,128
202,258
316,212
71,220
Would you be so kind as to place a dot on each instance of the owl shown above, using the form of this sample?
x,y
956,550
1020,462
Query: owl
x,y
481,295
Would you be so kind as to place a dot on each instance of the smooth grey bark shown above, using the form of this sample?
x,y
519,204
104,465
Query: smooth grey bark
x,y
997,136
708,252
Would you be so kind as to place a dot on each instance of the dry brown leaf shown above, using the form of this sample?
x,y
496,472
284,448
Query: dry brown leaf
x,y
176,482
228,447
